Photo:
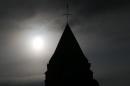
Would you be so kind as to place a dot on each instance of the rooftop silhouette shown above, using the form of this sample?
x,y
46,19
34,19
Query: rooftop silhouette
x,y
68,65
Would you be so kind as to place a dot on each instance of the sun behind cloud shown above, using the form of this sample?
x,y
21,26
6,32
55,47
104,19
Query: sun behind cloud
x,y
37,43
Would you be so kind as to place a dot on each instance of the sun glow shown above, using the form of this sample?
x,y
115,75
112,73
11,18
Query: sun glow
x,y
37,43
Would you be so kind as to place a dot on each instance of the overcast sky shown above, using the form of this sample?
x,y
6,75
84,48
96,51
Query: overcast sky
x,y
101,27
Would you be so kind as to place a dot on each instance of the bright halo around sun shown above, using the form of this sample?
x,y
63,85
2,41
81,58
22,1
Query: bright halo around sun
x,y
38,43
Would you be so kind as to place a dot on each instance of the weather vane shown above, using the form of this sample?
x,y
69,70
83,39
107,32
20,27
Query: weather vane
x,y
67,14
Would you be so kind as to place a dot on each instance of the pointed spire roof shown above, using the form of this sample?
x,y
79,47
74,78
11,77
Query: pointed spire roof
x,y
68,40
68,48
68,65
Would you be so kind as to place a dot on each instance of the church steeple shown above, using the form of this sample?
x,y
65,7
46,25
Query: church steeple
x,y
67,41
68,65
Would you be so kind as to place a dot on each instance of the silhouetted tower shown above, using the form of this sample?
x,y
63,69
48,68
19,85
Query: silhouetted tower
x,y
68,66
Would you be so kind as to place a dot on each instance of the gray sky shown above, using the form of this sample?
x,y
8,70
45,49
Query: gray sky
x,y
101,27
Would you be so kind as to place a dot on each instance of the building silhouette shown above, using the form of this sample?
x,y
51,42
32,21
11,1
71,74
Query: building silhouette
x,y
68,65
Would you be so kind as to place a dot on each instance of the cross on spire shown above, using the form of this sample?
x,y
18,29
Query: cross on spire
x,y
67,14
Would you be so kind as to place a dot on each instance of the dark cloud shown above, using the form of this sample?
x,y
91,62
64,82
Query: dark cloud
x,y
18,83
